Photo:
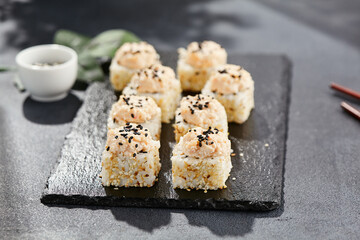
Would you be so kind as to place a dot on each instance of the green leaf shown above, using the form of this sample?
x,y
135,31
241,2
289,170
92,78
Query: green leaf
x,y
7,68
18,84
71,39
86,60
94,74
106,43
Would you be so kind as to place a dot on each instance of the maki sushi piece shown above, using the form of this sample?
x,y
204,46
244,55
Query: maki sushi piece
x,y
129,58
201,160
159,83
136,109
197,62
233,87
131,157
199,111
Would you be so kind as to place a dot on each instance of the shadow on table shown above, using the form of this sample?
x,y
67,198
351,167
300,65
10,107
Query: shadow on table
x,y
62,111
147,219
228,223
220,223
345,98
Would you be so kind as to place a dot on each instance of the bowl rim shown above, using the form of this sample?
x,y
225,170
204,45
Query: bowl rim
x,y
21,63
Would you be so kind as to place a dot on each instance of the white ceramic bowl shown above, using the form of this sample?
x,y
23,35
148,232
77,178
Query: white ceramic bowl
x,y
47,83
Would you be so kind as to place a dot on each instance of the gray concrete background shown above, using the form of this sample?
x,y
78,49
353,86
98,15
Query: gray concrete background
x,y
322,169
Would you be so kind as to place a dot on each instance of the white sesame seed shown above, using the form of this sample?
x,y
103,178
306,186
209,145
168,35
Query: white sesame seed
x,y
241,154
234,178
266,144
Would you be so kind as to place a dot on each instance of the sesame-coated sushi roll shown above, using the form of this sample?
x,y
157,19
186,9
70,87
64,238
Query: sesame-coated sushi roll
x,y
197,62
131,157
159,83
129,58
199,111
136,109
201,160
233,86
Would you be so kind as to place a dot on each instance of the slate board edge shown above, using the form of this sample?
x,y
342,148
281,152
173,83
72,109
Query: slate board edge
x,y
112,201
288,75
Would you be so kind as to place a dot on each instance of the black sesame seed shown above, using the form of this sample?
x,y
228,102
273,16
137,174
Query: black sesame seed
x,y
134,155
126,100
108,148
132,115
116,137
136,145
120,143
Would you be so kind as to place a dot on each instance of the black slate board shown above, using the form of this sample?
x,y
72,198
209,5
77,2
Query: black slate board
x,y
256,179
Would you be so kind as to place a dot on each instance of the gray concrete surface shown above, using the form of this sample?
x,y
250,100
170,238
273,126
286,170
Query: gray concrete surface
x,y
322,169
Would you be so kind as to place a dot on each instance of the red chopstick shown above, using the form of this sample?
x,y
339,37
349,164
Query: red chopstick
x,y
345,90
350,109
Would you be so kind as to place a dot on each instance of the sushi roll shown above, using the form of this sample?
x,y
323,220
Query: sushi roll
x,y
197,62
129,58
159,83
199,111
201,160
136,109
131,157
233,86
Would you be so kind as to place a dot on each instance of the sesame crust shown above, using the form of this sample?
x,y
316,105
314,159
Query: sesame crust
x,y
131,158
201,171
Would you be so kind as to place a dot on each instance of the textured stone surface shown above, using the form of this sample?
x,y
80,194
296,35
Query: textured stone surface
x,y
255,182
